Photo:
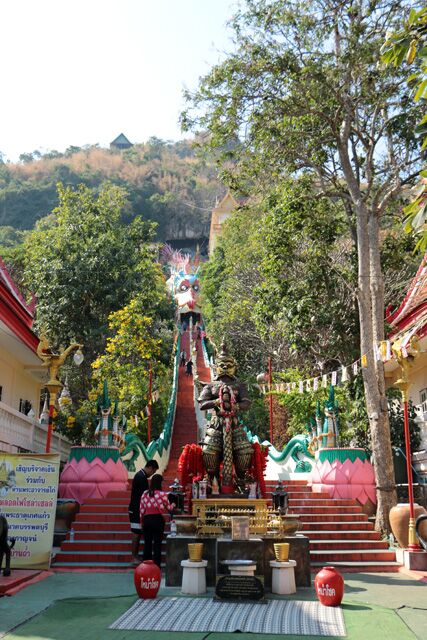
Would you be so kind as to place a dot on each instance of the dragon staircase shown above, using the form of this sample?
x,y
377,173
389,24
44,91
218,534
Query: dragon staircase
x,y
339,531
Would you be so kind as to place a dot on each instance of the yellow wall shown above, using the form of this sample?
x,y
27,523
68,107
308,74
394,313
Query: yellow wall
x,y
17,382
219,215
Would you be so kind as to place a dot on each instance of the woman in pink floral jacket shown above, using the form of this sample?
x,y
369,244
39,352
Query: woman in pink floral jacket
x,y
153,507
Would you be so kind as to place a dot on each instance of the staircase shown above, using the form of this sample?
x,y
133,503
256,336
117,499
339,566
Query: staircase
x,y
339,532
185,424
102,536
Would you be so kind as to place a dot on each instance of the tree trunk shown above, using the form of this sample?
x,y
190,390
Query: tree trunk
x,y
380,429
371,309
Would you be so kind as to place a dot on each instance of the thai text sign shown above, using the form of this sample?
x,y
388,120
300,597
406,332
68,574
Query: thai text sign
x,y
28,490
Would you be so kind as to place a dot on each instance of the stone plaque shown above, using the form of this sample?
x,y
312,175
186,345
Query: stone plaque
x,y
239,588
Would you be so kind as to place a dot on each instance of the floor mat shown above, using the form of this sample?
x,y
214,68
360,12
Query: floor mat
x,y
285,617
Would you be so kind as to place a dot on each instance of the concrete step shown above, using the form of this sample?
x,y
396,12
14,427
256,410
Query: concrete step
x,y
303,495
365,566
322,502
88,525
333,517
300,508
101,545
111,566
342,535
103,508
96,545
106,534
336,525
94,556
107,501
90,516
332,556
355,544
118,494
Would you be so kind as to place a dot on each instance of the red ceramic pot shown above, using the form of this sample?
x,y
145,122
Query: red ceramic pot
x,y
329,585
147,579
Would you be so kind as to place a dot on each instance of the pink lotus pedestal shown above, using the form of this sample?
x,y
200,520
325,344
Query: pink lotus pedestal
x,y
346,474
92,472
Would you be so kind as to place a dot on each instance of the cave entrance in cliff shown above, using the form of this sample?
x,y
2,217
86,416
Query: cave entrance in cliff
x,y
185,318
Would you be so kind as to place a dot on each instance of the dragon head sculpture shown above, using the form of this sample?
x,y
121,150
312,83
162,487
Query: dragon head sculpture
x,y
184,279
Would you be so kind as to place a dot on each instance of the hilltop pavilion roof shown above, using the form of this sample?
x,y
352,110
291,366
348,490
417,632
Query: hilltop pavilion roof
x,y
121,139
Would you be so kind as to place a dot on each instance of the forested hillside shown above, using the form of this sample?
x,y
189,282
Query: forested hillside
x,y
166,183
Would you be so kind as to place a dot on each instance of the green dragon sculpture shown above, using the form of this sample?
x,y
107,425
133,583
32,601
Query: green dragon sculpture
x,y
134,449
297,448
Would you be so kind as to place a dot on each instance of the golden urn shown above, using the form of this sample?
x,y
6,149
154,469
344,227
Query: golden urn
x,y
281,551
195,551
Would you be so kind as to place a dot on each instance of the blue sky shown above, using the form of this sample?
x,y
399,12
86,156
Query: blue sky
x,y
78,72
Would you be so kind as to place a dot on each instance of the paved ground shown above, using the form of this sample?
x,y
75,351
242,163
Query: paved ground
x,y
68,605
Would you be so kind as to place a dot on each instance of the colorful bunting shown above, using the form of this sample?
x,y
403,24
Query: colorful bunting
x,y
381,352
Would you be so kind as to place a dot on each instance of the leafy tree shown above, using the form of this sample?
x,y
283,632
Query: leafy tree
x,y
166,183
410,44
10,237
26,157
83,263
141,336
305,93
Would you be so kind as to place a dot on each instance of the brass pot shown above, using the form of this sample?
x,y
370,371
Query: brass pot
x,y
185,524
290,524
195,551
281,551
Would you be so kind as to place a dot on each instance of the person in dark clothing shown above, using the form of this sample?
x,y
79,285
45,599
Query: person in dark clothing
x,y
189,368
139,485
154,505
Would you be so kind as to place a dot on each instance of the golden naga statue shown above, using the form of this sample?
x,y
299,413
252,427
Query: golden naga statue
x,y
53,360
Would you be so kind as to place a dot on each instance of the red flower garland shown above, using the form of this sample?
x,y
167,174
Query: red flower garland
x,y
258,466
190,463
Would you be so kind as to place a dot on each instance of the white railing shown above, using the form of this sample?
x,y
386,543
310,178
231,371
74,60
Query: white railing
x,y
21,434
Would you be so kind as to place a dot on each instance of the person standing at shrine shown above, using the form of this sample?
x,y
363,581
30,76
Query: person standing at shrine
x,y
139,485
153,507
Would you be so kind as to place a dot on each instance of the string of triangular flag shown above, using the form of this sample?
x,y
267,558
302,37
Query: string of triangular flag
x,y
382,351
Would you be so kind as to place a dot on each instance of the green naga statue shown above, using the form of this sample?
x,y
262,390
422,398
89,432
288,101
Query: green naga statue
x,y
111,427
325,432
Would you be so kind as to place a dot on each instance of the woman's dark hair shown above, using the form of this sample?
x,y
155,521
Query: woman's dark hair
x,y
155,483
